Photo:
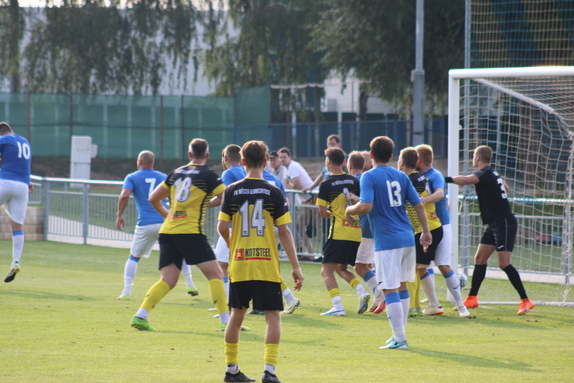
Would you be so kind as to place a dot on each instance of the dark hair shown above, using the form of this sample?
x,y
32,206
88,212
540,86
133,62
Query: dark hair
x,y
382,148
334,137
285,150
232,153
273,154
254,153
357,160
410,157
335,155
198,147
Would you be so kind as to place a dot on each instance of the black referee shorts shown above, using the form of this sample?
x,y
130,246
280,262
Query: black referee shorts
x,y
501,234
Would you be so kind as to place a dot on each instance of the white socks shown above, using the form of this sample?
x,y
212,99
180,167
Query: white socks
x,y
129,273
17,245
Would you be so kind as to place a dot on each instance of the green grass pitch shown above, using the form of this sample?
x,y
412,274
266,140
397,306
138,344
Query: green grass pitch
x,y
60,322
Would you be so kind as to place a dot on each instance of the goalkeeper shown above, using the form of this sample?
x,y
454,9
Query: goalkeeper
x,y
500,232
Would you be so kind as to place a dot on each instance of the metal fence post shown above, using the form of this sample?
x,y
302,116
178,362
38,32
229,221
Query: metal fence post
x,y
85,213
46,198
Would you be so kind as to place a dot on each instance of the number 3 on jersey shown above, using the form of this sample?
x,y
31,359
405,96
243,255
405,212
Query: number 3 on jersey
x,y
394,190
257,218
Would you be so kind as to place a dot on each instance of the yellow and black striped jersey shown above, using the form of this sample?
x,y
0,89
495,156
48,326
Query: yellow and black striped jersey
x,y
333,193
191,189
422,187
253,206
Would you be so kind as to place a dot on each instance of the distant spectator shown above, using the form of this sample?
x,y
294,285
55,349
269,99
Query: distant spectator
x,y
297,178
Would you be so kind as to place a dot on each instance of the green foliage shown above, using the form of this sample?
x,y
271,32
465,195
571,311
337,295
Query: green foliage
x,y
376,39
61,322
11,33
89,47
274,47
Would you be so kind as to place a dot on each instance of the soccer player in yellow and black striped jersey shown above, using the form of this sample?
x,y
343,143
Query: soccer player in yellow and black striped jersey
x,y
407,163
344,235
254,206
190,189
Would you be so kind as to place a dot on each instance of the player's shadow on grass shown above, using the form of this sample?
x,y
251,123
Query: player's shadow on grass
x,y
497,321
45,295
476,361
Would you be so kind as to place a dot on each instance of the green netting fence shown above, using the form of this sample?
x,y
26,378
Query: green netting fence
x,y
122,126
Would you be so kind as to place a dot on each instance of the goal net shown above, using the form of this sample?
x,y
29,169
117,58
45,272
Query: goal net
x,y
526,115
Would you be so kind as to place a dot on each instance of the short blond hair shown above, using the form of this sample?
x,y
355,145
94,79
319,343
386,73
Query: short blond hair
x,y
484,152
426,154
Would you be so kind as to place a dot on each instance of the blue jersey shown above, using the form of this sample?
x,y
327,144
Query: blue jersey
x,y
233,174
388,189
436,181
273,180
365,224
142,183
16,158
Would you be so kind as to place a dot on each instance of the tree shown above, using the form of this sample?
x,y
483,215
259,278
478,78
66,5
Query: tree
x,y
11,31
272,46
91,47
376,40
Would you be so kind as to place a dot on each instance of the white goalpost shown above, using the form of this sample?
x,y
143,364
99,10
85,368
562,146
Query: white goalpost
x,y
526,115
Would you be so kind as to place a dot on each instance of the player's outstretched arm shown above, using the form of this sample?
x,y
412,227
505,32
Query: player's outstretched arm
x,y
434,197
462,180
286,239
360,208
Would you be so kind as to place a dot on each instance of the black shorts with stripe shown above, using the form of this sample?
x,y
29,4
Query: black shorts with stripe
x,y
426,258
264,294
501,234
340,251
174,248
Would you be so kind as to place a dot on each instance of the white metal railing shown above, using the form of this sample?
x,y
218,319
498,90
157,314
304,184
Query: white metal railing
x,y
84,211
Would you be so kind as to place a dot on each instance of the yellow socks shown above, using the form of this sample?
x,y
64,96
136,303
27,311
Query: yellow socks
x,y
155,294
271,354
218,296
232,353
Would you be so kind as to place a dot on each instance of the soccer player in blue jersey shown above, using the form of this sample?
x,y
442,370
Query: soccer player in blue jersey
x,y
439,197
384,192
407,163
141,184
501,227
15,187
233,172
366,252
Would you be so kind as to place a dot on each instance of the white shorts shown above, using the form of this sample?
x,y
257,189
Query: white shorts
x,y
366,251
144,239
395,266
14,196
442,254
221,250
